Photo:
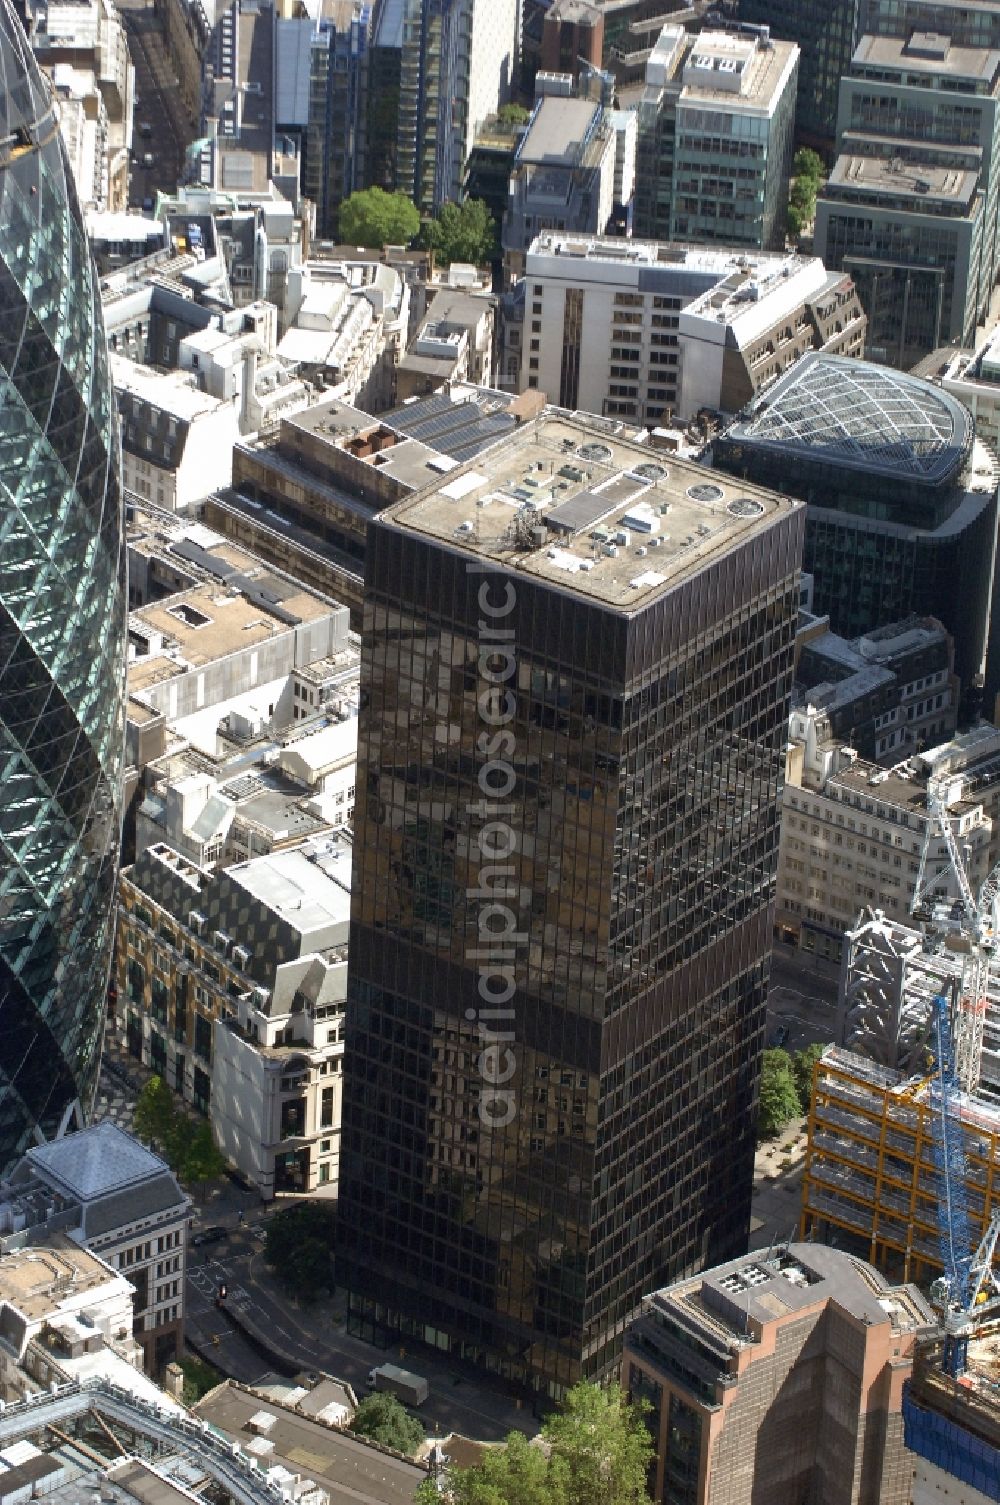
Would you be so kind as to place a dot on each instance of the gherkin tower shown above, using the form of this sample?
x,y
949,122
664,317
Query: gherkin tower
x,y
62,624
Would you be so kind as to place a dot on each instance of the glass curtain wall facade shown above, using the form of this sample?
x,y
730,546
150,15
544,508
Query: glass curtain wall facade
x,y
519,1225
827,32
62,624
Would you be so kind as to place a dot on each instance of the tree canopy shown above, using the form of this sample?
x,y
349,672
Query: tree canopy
x,y
779,1098
462,232
298,1244
186,1146
598,1451
802,1069
512,114
809,174
154,1116
374,218
384,1420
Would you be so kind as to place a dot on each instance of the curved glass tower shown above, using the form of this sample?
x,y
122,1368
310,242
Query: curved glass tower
x,y
62,624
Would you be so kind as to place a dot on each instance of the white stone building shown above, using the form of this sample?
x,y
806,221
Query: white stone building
x,y
177,441
639,330
106,1193
852,834
242,1012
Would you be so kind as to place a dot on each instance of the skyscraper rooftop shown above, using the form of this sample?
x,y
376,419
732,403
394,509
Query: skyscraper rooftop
x,y
583,508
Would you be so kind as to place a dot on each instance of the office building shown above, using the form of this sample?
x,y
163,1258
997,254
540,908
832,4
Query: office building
x,y
647,332
974,378
289,1430
869,1181
911,206
62,684
715,136
888,694
220,648
826,32
71,1398
952,1429
437,70
177,441
778,1377
110,1195
303,498
322,73
231,987
852,835
513,1180
902,495
84,51
453,344
572,37
563,178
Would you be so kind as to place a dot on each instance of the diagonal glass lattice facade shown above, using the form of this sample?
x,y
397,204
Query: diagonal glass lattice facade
x,y
62,623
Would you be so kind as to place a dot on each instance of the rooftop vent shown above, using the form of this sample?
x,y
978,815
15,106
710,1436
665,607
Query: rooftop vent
x,y
647,471
745,506
705,491
595,452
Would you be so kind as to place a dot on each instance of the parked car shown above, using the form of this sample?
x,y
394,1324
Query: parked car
x,y
209,1236
148,159
145,130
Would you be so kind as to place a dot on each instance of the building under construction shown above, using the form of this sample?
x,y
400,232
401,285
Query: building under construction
x,y
871,1181
891,975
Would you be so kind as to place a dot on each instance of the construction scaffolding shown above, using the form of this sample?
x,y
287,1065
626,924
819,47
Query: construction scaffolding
x,y
890,976
871,1180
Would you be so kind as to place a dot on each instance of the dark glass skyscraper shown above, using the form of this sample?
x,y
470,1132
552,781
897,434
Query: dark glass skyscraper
x,y
62,623
576,672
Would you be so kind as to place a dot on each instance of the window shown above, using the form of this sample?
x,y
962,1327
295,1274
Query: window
x,y
326,1109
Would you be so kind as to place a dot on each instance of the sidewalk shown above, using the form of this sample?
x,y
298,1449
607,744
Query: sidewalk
x,y
777,1187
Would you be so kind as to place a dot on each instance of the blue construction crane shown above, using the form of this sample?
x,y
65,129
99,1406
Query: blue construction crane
x,y
969,1289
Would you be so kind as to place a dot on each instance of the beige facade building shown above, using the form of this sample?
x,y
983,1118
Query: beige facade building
x,y
231,987
647,331
778,1379
852,834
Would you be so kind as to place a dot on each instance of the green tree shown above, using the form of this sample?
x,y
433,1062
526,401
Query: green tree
x,y
298,1243
808,164
462,232
384,1420
796,221
512,114
779,1099
198,1156
802,1070
199,1378
375,218
597,1452
603,1444
516,1474
155,1115
308,1271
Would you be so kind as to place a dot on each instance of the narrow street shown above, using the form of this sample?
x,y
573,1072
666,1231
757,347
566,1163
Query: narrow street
x,y
316,1335
158,107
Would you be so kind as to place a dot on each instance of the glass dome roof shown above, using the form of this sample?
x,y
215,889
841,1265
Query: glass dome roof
x,y
858,415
